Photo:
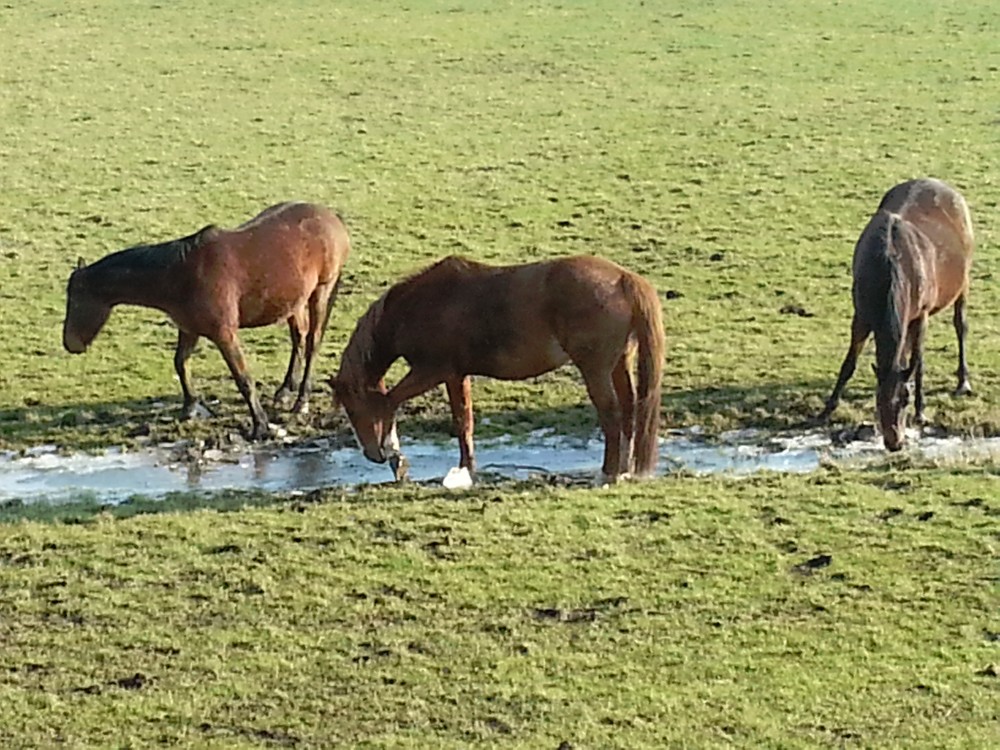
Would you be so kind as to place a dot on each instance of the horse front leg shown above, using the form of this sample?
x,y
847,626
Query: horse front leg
x,y
229,345
186,343
962,330
414,383
859,335
460,400
918,329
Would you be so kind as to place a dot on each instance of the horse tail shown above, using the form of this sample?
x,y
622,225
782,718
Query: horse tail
x,y
647,325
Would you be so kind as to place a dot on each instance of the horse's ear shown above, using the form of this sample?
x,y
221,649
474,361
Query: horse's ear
x,y
80,263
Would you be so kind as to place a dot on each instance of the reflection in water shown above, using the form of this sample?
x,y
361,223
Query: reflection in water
x,y
43,474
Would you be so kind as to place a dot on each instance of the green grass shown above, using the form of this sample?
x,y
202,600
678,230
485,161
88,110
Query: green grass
x,y
674,614
658,137
729,151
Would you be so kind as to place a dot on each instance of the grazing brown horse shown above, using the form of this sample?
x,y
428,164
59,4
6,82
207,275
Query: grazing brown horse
x,y
911,261
459,318
284,264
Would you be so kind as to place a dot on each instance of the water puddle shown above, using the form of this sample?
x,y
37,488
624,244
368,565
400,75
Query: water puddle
x,y
45,474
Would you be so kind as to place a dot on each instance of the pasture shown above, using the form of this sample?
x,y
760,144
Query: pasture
x,y
729,151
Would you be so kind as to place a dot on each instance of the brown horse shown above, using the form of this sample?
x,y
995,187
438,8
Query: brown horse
x,y
459,318
912,260
284,264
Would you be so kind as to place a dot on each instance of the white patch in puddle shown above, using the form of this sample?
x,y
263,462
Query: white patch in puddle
x,y
457,478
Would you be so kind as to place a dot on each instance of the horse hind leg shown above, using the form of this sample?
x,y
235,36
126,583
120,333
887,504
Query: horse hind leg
x,y
601,388
961,331
297,332
625,390
320,304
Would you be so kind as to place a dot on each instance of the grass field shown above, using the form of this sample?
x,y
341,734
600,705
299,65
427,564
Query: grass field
x,y
729,151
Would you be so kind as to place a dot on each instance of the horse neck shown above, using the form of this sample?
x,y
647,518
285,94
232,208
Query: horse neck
x,y
137,276
369,352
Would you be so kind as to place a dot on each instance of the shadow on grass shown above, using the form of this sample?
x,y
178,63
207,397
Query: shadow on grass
x,y
135,422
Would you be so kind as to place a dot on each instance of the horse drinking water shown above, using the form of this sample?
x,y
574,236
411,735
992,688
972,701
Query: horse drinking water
x,y
284,264
912,260
459,318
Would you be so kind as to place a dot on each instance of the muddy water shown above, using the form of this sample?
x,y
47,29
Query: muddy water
x,y
45,474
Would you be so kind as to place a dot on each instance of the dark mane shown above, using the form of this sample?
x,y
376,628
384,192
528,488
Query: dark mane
x,y
358,354
890,338
161,256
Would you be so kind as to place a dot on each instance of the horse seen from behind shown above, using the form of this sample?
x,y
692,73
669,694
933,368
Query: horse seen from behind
x,y
460,318
912,260
282,265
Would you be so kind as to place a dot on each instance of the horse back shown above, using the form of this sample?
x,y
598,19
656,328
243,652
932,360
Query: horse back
x,y
504,321
305,235
267,268
941,213
923,229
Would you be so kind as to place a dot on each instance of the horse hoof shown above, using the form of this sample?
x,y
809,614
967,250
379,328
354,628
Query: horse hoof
x,y
267,432
301,408
964,389
400,466
457,479
197,410
605,480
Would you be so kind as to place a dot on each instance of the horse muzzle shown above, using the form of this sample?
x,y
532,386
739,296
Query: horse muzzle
x,y
73,345
377,456
893,443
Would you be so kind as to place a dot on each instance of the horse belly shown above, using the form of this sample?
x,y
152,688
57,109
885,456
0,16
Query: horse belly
x,y
271,301
526,360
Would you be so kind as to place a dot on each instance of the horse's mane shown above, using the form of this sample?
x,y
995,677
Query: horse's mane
x,y
357,357
358,353
157,257
895,297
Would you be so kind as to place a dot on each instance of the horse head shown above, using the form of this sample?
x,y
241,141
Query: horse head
x,y
85,313
372,418
891,399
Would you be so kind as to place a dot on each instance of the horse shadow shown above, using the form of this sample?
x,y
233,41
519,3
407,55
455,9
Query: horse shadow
x,y
94,425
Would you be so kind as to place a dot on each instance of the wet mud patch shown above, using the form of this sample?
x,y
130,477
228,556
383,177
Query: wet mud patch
x,y
46,474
